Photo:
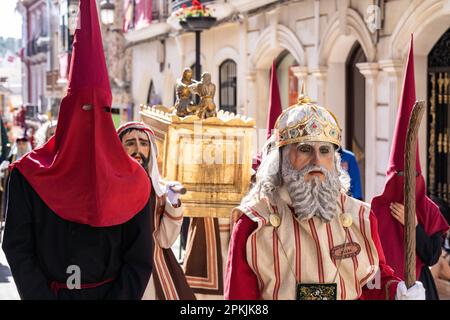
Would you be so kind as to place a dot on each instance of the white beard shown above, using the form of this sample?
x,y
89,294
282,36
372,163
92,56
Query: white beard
x,y
314,197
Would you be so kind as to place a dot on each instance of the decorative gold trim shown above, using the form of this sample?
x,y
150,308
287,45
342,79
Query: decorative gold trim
x,y
314,126
440,85
432,138
446,89
445,143
445,192
222,119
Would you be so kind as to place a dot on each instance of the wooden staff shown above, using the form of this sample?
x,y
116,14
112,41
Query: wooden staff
x,y
410,193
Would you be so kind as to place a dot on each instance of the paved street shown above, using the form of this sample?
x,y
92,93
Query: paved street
x,y
8,289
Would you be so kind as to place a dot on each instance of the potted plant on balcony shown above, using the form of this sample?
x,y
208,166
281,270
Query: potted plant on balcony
x,y
197,17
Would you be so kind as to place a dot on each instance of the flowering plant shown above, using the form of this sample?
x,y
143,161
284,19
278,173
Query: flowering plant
x,y
196,10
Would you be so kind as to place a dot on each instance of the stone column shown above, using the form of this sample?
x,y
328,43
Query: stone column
x,y
393,69
370,71
301,72
243,65
321,78
250,109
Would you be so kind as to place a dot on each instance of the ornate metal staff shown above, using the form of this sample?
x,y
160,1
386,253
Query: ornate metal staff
x,y
410,193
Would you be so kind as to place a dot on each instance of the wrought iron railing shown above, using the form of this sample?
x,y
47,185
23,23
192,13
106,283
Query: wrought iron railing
x,y
160,10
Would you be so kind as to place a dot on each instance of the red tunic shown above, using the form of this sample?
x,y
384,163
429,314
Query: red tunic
x,y
241,282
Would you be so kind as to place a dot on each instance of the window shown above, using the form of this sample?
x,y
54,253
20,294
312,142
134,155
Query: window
x,y
228,86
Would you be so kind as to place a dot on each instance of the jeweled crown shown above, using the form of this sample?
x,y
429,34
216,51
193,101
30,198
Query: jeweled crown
x,y
306,121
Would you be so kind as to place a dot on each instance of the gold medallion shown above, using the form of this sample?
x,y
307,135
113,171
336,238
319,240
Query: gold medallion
x,y
275,220
346,220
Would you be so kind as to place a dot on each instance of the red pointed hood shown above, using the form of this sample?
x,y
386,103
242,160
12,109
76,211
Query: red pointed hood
x,y
83,173
407,100
428,214
275,101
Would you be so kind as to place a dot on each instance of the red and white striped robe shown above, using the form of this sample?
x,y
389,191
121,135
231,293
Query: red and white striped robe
x,y
167,281
299,252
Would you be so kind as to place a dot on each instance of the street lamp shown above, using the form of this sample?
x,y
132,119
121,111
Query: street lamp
x,y
107,12
196,19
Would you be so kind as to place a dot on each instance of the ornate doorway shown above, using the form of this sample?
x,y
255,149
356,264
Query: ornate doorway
x,y
438,138
356,109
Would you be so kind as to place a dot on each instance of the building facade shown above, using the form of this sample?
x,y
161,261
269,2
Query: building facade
x,y
35,43
62,22
10,76
350,54
118,60
47,35
48,31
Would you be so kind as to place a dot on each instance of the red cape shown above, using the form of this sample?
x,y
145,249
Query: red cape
x,y
83,173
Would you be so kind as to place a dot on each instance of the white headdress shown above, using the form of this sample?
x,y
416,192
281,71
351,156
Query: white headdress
x,y
153,171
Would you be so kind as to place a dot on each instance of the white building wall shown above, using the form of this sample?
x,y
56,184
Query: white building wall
x,y
320,35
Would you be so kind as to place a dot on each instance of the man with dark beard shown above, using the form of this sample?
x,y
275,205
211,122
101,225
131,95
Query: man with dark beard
x,y
168,281
299,236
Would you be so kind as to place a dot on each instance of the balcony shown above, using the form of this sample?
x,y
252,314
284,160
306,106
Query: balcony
x,y
220,9
249,5
144,24
179,3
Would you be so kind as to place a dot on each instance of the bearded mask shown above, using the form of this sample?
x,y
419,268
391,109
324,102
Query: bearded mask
x,y
304,124
311,197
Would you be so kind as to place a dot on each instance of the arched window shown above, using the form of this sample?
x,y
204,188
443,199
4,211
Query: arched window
x,y
228,86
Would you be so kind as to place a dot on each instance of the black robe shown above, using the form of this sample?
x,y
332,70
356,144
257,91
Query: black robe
x,y
40,246
429,249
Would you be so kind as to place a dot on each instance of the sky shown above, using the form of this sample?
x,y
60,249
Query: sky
x,y
10,20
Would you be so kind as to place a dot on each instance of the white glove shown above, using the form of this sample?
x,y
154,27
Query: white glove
x,y
416,292
172,196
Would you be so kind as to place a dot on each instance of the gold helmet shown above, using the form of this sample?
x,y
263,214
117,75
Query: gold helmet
x,y
306,121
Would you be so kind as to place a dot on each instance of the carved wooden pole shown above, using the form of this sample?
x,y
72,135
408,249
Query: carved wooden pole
x,y
410,193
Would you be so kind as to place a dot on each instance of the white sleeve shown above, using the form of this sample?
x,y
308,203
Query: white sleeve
x,y
170,225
